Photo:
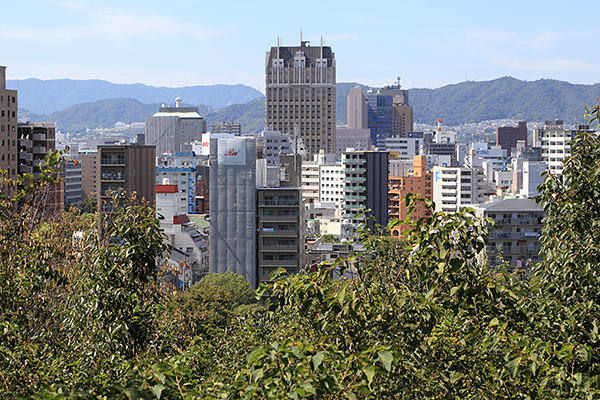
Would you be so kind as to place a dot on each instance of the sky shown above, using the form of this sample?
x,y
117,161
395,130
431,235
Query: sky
x,y
174,43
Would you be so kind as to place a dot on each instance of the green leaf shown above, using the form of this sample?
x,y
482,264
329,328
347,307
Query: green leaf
x,y
513,366
386,358
317,359
157,390
369,372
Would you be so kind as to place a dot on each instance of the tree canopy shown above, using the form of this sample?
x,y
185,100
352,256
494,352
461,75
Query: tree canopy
x,y
426,317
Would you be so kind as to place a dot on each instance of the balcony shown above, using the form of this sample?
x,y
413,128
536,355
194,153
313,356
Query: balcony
x,y
39,150
354,188
39,136
278,233
26,143
113,161
359,198
353,206
286,203
512,250
113,176
351,179
279,263
25,156
25,169
278,218
279,249
355,170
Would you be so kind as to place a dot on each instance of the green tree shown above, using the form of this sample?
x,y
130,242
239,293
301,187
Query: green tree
x,y
235,285
329,238
89,205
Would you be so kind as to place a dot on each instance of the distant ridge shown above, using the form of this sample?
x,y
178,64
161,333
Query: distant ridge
x,y
461,103
502,98
48,96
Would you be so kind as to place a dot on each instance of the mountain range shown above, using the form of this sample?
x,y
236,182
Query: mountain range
x,y
461,103
58,94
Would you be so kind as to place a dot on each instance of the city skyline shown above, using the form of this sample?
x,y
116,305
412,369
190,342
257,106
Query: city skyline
x,y
179,43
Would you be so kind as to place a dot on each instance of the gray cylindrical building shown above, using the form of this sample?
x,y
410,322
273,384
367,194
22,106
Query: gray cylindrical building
x,y
233,207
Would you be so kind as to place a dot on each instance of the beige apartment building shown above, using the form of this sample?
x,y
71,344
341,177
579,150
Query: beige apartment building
x,y
300,92
9,151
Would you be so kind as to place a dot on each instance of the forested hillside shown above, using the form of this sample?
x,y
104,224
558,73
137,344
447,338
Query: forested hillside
x,y
467,102
49,96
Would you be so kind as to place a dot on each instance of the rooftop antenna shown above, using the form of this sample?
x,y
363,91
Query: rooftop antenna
x,y
301,36
278,44
322,44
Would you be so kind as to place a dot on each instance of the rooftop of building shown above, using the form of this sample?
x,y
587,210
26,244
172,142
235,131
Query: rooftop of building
x,y
511,204
178,113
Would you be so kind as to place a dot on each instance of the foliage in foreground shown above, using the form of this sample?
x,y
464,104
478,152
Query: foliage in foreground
x,y
426,317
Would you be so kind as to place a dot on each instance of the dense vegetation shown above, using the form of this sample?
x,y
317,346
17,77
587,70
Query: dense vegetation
x,y
425,318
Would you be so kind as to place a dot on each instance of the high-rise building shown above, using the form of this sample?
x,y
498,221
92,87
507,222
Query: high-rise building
x,y
233,207
417,182
35,141
300,93
357,109
456,187
556,143
280,221
131,168
508,136
9,150
365,188
89,173
172,127
388,112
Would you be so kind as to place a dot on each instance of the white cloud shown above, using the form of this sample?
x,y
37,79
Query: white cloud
x,y
551,65
88,21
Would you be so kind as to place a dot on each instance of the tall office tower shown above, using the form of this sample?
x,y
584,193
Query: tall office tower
x,y
233,207
172,127
389,114
357,109
365,188
402,118
131,168
380,118
233,128
300,92
508,136
9,149
417,182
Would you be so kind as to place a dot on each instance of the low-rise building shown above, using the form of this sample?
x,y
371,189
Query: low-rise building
x,y
514,241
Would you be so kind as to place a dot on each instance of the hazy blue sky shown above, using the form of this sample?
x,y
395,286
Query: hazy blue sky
x,y
184,42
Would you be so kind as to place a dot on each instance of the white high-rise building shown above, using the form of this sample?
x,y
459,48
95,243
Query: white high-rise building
x,y
456,187
556,143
